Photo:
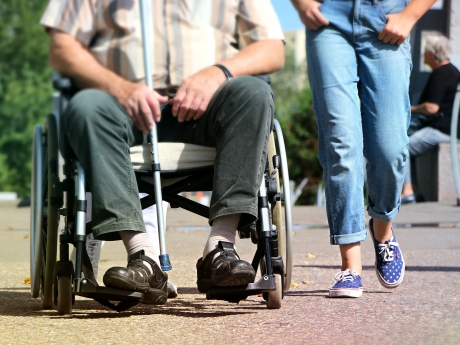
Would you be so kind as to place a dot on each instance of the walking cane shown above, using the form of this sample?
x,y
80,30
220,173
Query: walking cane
x,y
147,30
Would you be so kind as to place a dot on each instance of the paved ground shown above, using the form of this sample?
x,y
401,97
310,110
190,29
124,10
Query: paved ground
x,y
424,310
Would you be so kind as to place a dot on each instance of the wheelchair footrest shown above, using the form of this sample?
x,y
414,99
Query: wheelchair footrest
x,y
86,288
237,293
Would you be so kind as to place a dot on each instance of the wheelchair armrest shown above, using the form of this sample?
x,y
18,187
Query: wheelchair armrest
x,y
61,83
265,77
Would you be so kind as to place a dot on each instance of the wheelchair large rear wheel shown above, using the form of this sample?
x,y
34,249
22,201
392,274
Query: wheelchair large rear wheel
x,y
52,214
283,279
45,212
39,187
283,224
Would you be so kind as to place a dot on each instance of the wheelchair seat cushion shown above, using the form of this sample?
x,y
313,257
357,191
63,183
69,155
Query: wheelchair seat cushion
x,y
173,156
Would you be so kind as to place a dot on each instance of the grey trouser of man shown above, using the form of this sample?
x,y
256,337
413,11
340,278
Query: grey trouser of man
x,y
421,142
237,123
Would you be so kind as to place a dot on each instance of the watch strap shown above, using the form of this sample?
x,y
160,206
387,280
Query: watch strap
x,y
225,70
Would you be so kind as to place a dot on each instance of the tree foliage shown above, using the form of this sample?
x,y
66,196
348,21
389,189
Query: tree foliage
x,y
25,89
294,111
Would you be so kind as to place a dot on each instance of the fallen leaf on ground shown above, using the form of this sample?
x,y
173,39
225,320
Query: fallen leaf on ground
x,y
26,236
305,281
294,285
305,262
310,256
26,281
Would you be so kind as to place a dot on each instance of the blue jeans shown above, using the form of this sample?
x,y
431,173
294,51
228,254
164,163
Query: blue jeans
x,y
360,96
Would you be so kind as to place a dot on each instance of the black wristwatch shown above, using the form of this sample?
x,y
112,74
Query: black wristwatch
x,y
225,70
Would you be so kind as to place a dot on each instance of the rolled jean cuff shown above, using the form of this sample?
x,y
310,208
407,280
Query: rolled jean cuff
x,y
384,217
348,238
109,231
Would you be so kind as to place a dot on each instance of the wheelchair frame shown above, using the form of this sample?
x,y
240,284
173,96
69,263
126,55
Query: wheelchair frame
x,y
59,282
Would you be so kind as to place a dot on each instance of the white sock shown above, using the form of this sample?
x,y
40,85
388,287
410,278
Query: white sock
x,y
135,241
223,229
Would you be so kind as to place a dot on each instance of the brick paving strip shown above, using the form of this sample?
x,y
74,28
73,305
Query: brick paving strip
x,y
424,310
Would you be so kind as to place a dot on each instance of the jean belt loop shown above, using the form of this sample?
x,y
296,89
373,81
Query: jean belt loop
x,y
374,3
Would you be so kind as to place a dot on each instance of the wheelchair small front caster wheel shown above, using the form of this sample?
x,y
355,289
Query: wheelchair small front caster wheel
x,y
64,298
274,298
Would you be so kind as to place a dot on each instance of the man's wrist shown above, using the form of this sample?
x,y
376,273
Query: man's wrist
x,y
120,88
224,69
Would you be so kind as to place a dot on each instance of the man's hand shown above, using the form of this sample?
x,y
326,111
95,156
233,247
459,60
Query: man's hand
x,y
71,58
397,29
141,104
310,14
195,93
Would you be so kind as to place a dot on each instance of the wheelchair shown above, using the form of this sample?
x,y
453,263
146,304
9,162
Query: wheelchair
x,y
185,168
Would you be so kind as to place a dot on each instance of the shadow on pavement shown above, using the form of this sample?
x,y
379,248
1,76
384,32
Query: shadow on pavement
x,y
18,302
408,268
309,293
433,268
188,291
324,293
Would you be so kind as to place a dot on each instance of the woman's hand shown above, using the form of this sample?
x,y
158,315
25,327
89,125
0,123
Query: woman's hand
x,y
397,29
310,14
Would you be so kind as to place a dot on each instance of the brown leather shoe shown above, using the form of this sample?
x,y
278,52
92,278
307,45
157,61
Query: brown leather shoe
x,y
137,277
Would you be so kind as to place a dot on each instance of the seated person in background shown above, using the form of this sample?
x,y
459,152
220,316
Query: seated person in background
x,y
98,45
430,122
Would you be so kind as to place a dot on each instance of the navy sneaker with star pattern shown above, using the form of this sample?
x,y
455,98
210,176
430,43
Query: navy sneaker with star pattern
x,y
347,284
389,261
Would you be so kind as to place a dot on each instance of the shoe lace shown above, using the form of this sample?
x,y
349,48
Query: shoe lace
x,y
386,250
346,275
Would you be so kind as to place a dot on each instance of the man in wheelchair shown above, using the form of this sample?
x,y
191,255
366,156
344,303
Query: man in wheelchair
x,y
205,54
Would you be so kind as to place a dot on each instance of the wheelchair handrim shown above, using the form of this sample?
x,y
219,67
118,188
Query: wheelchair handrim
x,y
36,218
287,204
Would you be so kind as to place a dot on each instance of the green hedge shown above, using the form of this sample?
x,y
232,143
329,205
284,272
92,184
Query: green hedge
x,y
25,89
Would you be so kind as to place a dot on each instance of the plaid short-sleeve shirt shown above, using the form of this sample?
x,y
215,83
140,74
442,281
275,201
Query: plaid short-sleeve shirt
x,y
189,35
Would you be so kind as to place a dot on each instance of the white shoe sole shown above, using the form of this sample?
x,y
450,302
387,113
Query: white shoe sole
x,y
346,293
172,290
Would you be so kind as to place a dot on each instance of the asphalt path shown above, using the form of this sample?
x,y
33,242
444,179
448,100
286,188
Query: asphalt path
x,y
425,309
